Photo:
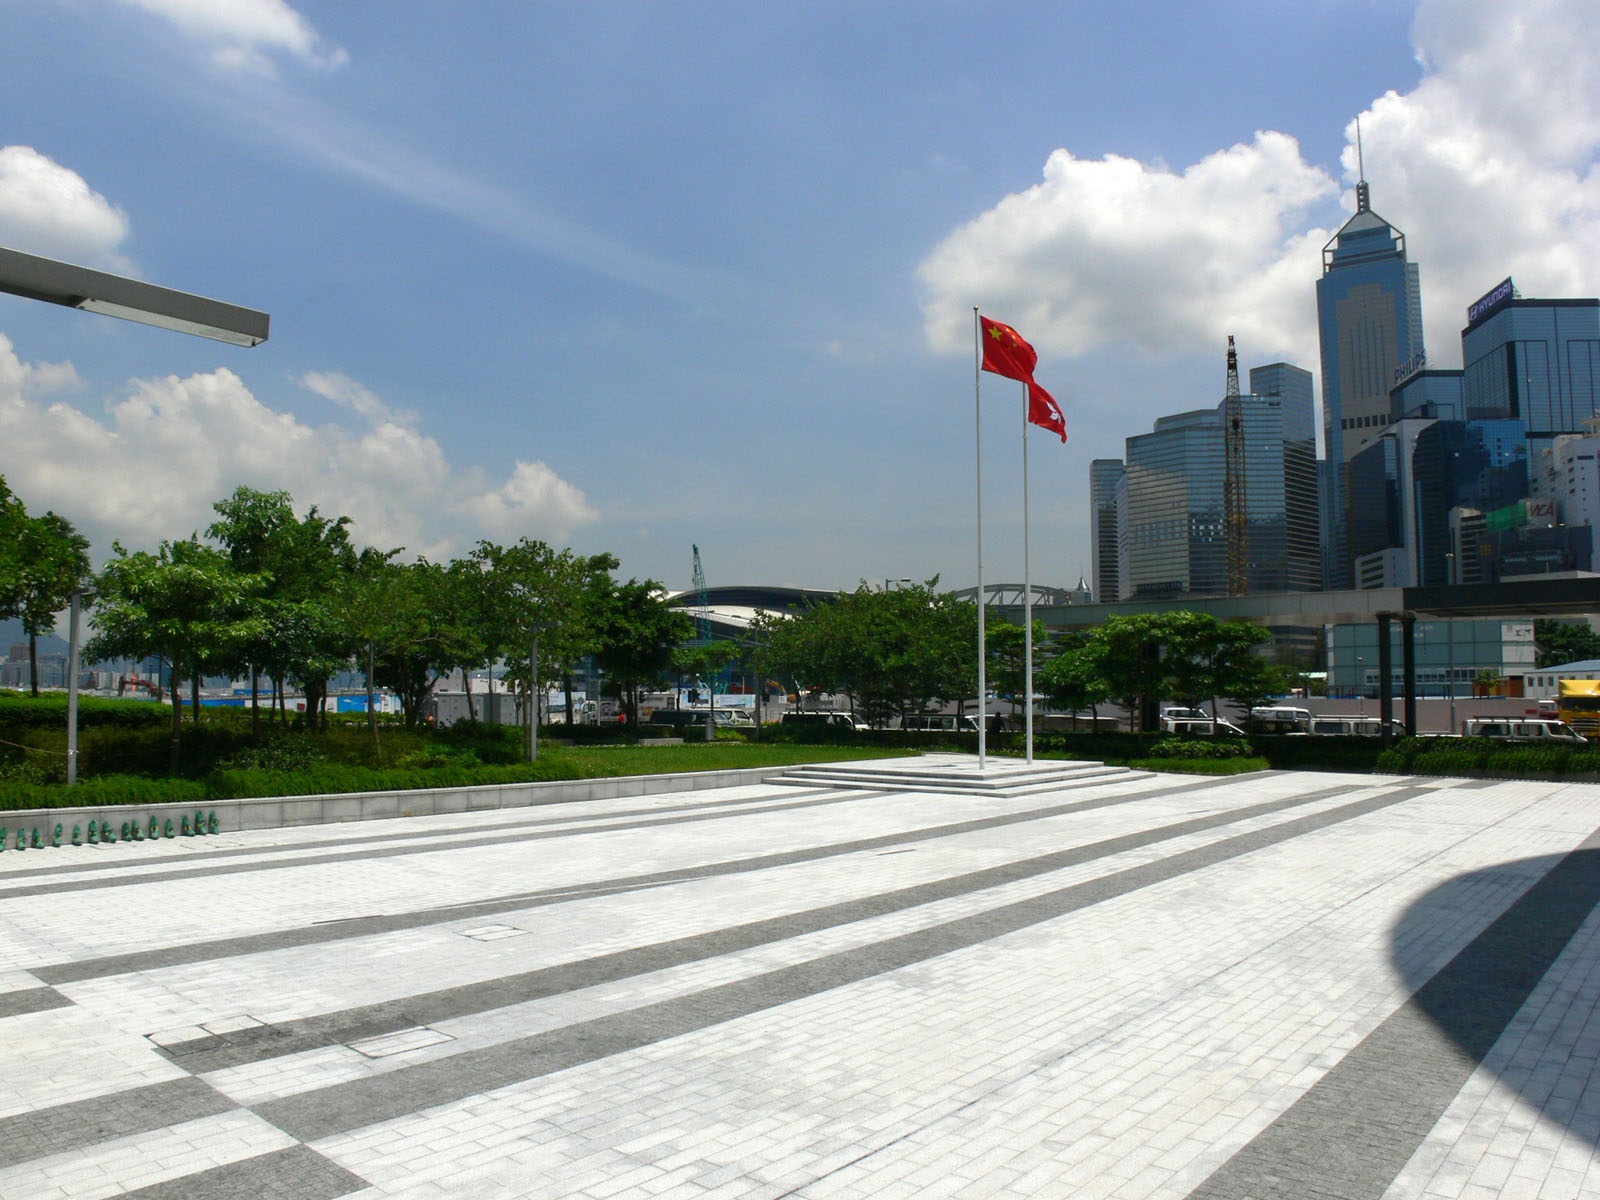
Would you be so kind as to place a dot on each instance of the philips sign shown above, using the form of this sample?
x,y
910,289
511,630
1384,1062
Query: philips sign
x,y
1489,303
1418,361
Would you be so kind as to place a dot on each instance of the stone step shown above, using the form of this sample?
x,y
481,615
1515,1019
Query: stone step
x,y
957,774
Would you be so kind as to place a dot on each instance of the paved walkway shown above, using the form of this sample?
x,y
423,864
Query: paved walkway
x,y
1289,985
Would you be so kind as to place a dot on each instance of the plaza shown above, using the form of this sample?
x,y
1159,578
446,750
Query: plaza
x,y
1120,985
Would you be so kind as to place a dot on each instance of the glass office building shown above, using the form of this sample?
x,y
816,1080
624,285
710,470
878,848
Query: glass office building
x,y
1175,512
1299,501
1534,361
1104,476
1369,318
1177,534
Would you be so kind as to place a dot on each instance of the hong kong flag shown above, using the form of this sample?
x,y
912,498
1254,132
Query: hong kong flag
x,y
1006,353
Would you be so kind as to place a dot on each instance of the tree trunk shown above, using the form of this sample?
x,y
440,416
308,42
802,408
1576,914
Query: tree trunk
x,y
566,689
466,686
177,719
33,662
372,712
194,696
255,701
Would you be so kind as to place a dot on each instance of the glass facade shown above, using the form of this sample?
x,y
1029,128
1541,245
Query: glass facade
x,y
1300,505
1445,651
1369,318
1175,517
1411,477
1177,536
1104,475
1535,361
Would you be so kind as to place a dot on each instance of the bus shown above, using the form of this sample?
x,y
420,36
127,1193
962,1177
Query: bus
x,y
1579,705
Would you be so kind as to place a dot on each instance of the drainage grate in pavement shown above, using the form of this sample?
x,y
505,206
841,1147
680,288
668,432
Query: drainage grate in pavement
x,y
416,1038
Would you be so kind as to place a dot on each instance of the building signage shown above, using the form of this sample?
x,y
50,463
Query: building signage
x,y
1541,511
1406,369
1493,300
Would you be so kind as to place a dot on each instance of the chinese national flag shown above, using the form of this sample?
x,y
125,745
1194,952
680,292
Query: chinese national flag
x,y
1006,353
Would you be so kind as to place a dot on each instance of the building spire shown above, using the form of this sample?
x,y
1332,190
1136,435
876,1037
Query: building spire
x,y
1363,195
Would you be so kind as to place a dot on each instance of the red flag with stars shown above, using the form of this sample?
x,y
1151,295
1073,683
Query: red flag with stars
x,y
1006,353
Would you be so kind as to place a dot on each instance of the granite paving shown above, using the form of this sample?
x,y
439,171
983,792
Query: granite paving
x,y
1273,985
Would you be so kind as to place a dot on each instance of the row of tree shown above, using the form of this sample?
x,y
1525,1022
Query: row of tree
x,y
902,651
267,593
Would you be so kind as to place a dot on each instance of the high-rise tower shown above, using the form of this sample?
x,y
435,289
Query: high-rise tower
x,y
1369,316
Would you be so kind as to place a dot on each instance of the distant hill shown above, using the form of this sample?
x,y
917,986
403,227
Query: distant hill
x,y
12,631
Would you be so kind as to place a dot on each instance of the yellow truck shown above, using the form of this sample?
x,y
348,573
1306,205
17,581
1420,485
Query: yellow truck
x,y
1579,705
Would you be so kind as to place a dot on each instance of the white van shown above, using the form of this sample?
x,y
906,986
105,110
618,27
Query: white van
x,y
1333,726
1279,719
939,723
1519,730
1200,727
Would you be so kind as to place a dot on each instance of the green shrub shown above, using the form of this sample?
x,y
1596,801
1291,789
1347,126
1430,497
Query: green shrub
x,y
1197,748
102,790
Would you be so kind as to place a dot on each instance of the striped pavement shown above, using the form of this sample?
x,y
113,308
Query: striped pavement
x,y
1278,985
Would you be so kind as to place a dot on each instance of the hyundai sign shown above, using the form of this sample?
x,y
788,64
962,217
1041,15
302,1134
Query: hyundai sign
x,y
1482,308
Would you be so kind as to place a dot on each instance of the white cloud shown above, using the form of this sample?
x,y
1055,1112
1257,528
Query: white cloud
x,y
154,462
341,389
48,209
1117,250
244,34
1488,166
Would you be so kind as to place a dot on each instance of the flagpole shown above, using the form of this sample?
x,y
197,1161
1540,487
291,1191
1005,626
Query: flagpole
x,y
1027,591
977,395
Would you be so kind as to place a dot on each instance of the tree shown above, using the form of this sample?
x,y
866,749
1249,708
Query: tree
x,y
705,662
1562,642
1005,643
12,519
185,603
637,636
302,563
52,562
413,628
1075,679
893,652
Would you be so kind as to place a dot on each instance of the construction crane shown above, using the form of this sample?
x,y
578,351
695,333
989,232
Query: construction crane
x,y
1233,490
703,614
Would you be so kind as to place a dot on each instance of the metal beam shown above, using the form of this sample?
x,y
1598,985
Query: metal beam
x,y
62,283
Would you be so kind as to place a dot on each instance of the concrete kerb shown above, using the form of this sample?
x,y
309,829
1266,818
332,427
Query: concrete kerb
x,y
273,812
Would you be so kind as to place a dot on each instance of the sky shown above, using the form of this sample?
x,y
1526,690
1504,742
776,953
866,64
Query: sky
x,y
639,277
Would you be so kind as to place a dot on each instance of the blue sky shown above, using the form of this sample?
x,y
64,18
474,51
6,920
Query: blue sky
x,y
633,277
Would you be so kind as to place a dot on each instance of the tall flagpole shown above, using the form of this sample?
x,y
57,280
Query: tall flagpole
x,y
1027,590
977,395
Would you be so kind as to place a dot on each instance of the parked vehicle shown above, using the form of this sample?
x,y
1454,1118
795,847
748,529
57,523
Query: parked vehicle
x,y
1280,719
1522,730
1579,705
832,720
939,723
695,718
1345,726
1200,727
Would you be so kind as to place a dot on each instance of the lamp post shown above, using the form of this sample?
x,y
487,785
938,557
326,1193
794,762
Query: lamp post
x,y
79,595
1361,685
535,630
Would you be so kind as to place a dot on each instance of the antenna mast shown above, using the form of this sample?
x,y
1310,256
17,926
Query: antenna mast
x,y
1233,489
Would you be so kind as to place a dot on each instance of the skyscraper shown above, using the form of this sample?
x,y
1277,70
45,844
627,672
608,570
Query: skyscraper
x,y
1537,361
1301,568
1104,475
1369,317
1174,518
